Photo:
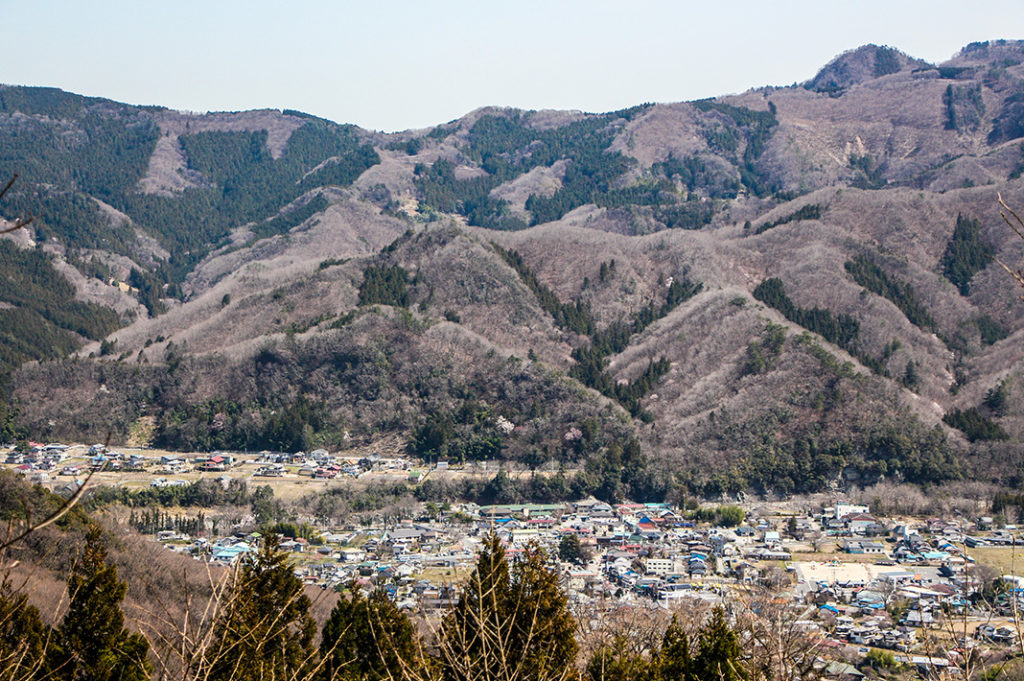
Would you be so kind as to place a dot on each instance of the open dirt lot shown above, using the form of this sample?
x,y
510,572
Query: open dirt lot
x,y
839,573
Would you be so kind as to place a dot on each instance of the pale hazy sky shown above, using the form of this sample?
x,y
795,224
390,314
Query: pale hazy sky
x,y
396,65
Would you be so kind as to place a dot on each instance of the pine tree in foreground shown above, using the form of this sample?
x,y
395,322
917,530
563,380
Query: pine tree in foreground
x,y
510,624
92,643
713,654
367,639
616,662
23,637
674,661
719,654
265,631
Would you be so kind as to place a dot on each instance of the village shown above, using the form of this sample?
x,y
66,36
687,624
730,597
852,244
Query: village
x,y
857,580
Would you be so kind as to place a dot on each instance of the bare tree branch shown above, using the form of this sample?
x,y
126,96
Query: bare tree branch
x,y
20,223
1017,225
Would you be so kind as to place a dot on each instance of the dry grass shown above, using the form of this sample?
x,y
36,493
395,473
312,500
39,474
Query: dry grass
x,y
445,575
1007,560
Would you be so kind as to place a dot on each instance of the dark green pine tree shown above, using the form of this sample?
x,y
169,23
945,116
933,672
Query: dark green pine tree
x,y
719,654
367,639
966,254
92,643
674,660
266,630
23,637
543,629
471,633
509,623
9,432
997,399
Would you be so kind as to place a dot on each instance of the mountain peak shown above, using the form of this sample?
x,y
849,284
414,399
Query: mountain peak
x,y
857,66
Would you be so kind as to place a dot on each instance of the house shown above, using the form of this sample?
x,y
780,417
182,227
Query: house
x,y
834,526
768,554
1004,634
841,670
858,523
745,572
229,553
927,666
984,630
861,546
353,555
867,598
919,618
405,535
215,463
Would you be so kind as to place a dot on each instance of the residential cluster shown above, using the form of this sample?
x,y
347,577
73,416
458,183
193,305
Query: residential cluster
x,y
858,580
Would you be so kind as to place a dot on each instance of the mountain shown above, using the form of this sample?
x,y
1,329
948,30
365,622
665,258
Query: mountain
x,y
861,65
781,291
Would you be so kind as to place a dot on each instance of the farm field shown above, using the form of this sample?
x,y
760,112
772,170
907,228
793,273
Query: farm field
x,y
1007,560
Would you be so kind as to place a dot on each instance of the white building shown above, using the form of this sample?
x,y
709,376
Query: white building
x,y
659,566
843,510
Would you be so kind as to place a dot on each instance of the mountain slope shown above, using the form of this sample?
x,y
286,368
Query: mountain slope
x,y
781,290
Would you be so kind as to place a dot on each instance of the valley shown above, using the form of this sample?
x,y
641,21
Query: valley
x,y
717,389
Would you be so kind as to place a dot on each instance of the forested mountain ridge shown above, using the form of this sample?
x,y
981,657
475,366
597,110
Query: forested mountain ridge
x,y
781,290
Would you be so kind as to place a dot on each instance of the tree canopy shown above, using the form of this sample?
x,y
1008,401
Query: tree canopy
x,y
266,630
92,643
511,622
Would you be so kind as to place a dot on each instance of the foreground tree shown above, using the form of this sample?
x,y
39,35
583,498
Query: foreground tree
x,y
23,637
1014,221
776,643
92,643
265,630
674,660
615,661
367,639
712,653
509,624
719,654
